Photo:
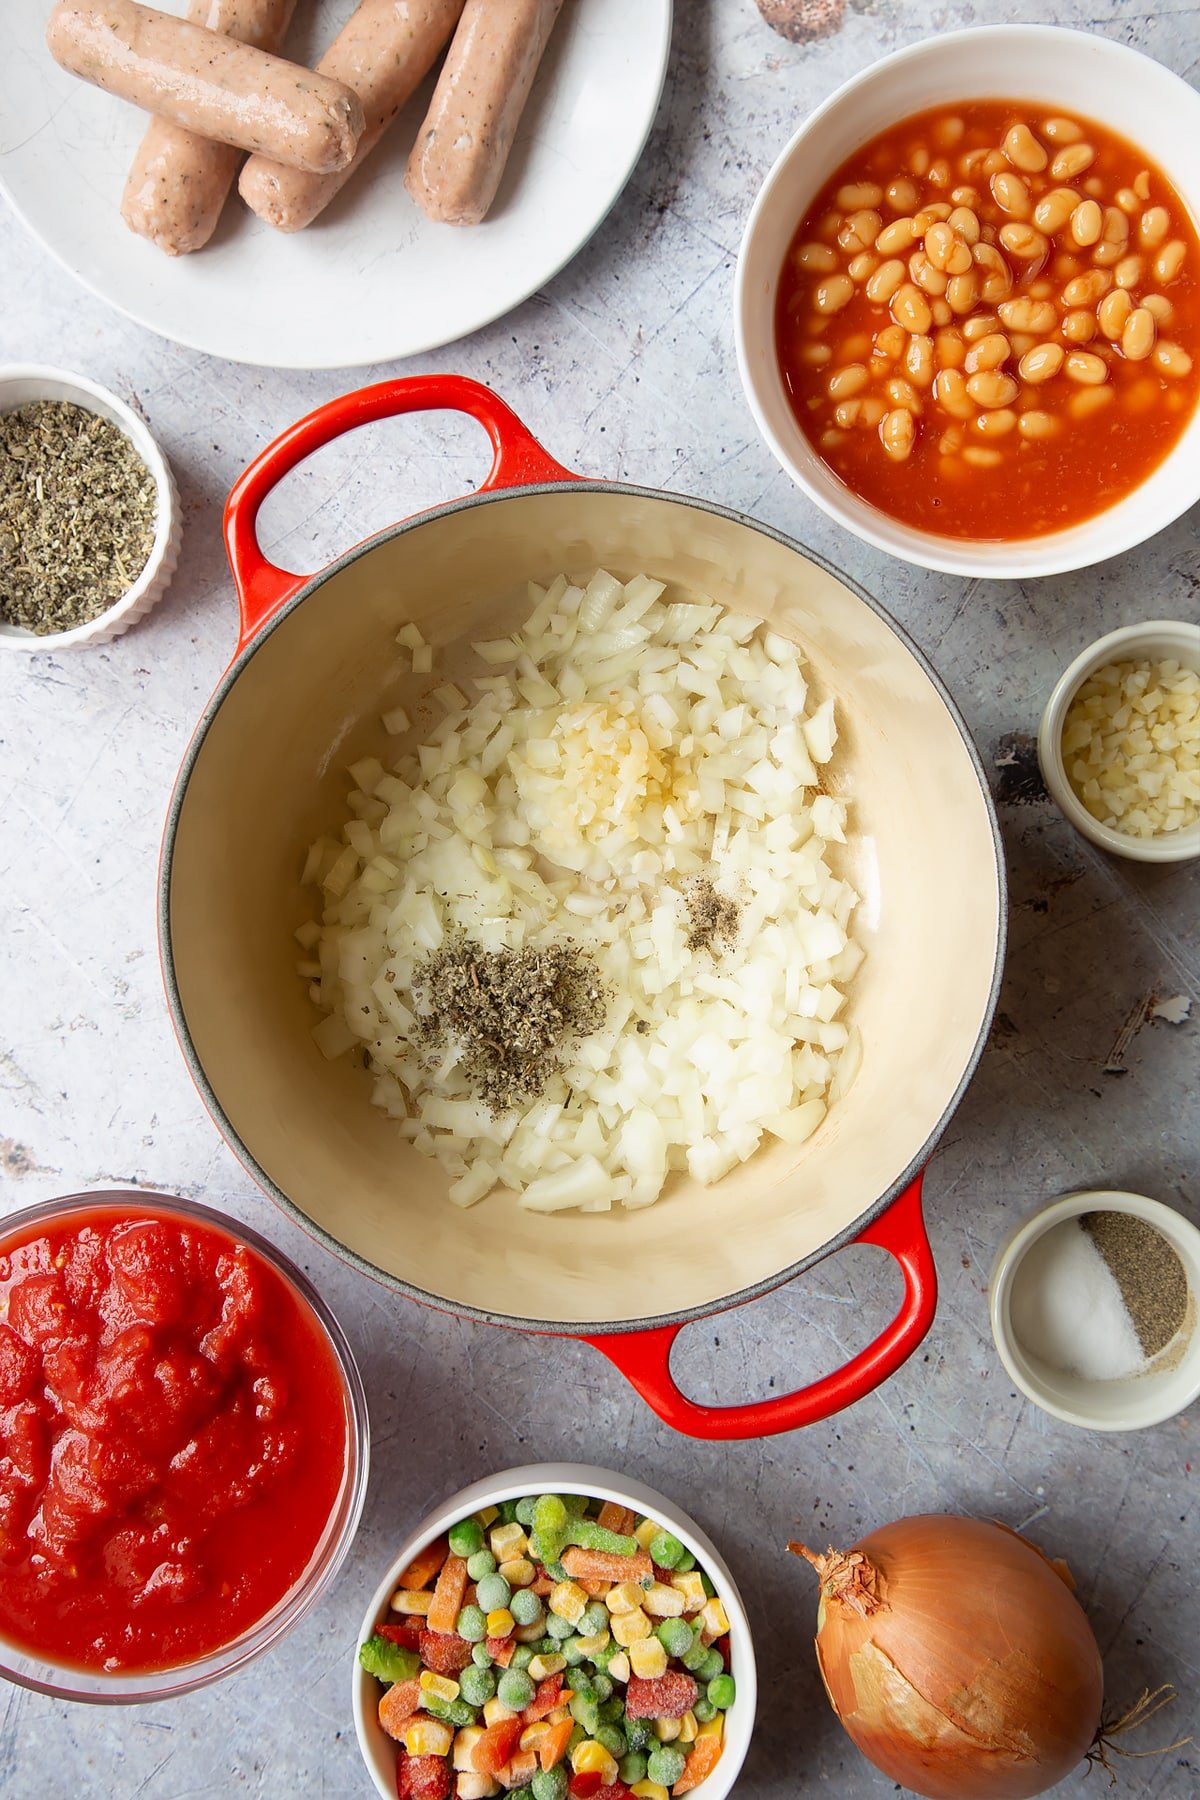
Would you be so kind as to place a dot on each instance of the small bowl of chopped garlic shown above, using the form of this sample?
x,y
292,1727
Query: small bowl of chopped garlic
x,y
1119,742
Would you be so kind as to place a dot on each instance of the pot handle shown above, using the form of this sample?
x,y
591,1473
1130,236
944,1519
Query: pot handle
x,y
517,459
644,1357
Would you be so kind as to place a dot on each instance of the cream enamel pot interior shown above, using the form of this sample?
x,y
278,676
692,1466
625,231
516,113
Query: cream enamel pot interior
x,y
265,774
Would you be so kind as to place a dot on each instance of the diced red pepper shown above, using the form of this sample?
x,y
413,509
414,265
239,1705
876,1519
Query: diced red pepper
x,y
496,1746
586,1785
544,1701
444,1652
407,1636
726,1649
667,1696
616,1790
423,1778
501,1650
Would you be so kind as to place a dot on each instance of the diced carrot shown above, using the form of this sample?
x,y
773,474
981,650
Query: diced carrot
x,y
543,1586
703,1758
398,1706
618,1518
547,1697
602,1565
501,1650
553,1747
496,1746
594,1589
448,1595
518,1769
425,1564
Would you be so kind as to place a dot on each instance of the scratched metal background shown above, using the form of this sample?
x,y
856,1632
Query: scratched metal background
x,y
624,366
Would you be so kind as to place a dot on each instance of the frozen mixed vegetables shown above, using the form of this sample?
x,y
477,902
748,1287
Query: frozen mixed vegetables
x,y
553,1648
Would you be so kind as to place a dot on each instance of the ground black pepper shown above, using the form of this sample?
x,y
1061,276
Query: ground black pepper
x,y
1147,1270
515,1013
713,918
77,515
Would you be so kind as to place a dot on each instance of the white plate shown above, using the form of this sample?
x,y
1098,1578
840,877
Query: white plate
x,y
372,279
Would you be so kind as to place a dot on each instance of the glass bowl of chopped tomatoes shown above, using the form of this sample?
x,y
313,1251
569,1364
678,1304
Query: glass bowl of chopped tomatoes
x,y
183,1446
561,1630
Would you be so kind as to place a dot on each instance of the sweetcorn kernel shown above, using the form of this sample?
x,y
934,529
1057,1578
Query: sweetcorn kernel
x,y
688,1728
519,1572
592,1646
650,1790
532,1735
487,1515
662,1601
427,1737
470,1785
646,1532
619,1667
715,1619
590,1757
568,1601
500,1623
648,1658
464,1746
543,1666
628,1628
691,1586
495,1712
440,1686
412,1601
625,1597
508,1542
666,1730
714,1727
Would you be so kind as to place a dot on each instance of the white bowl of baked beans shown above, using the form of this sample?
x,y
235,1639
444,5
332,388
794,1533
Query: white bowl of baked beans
x,y
1119,742
967,303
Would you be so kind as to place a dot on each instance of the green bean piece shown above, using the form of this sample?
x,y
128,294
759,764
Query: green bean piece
x,y
476,1686
466,1537
709,1589
590,1536
481,1564
665,1549
451,1712
722,1691
525,1607
665,1765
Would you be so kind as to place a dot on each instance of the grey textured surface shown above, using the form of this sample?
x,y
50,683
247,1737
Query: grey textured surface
x,y
624,366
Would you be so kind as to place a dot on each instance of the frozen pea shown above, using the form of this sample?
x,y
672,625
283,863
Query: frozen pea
x,y
675,1636
602,1686
472,1624
573,1651
481,1564
578,1735
559,1628
722,1691
522,1656
576,1504
632,1767
639,1734
508,1512
694,1658
476,1685
686,1563
466,1537
712,1666
595,1619
666,1549
665,1765
493,1592
515,1689
547,1646
709,1589
612,1739
525,1509
550,1784
481,1656
612,1711
525,1607
703,1710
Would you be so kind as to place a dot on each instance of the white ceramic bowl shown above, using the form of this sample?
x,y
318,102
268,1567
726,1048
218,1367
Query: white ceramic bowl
x,y
379,1751
1158,638
1073,71
1172,1383
22,383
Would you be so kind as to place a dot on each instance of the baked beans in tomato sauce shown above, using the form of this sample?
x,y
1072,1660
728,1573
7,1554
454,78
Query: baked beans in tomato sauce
x,y
989,320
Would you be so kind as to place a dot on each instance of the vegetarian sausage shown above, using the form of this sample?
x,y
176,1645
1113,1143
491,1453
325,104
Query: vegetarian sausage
x,y
459,157
383,52
179,182
209,83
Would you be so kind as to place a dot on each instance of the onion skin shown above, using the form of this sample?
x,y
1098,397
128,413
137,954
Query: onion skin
x,y
957,1659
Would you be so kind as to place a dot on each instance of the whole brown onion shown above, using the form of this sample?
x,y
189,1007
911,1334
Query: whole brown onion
x,y
958,1659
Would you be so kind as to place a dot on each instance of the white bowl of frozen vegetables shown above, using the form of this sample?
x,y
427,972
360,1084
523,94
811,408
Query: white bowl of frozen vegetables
x,y
485,1670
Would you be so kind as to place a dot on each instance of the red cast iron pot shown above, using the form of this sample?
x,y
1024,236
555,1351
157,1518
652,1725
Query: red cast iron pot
x,y
316,665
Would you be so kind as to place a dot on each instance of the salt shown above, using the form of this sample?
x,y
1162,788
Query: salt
x,y
1067,1308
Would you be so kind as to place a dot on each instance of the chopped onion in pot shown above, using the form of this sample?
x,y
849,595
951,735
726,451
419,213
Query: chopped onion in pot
x,y
640,776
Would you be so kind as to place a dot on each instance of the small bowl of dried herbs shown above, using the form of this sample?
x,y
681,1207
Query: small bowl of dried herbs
x,y
89,513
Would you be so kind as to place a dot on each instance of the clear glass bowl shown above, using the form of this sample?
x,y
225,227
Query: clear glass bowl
x,y
67,1682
